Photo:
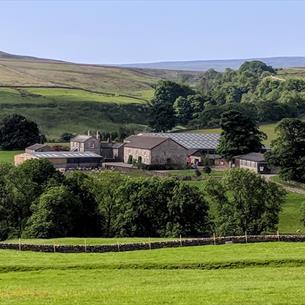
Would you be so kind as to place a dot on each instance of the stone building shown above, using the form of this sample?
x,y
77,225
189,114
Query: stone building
x,y
86,143
38,147
153,150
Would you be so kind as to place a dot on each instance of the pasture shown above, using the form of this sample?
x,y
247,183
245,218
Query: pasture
x,y
267,273
74,111
8,155
268,129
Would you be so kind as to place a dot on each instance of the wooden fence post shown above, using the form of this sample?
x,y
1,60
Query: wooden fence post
x,y
19,244
278,235
246,237
180,241
214,238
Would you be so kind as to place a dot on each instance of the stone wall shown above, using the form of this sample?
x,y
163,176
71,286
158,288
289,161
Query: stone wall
x,y
154,245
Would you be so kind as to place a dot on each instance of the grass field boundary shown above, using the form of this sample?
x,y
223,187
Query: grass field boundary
x,y
239,264
71,88
150,245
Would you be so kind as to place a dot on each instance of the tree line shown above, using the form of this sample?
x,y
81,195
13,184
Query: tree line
x,y
255,90
39,202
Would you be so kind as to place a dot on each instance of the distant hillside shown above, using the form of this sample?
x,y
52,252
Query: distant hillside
x,y
220,65
67,97
16,70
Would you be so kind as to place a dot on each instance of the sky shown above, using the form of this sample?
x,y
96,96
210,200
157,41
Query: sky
x,y
117,32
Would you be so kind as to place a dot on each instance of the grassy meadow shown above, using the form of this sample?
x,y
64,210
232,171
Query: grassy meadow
x,y
69,110
268,129
266,273
8,155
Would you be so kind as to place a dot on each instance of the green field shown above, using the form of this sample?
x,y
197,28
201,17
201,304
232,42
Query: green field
x,y
88,241
267,273
268,129
75,111
8,156
92,96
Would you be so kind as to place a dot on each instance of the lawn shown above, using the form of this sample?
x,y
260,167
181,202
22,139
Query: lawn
x,y
8,155
183,276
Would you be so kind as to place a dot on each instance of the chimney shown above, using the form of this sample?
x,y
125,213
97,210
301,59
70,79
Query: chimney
x,y
89,133
97,135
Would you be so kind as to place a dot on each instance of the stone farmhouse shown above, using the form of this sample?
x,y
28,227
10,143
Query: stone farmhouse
x,y
85,143
154,150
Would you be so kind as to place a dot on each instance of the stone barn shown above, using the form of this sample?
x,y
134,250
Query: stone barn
x,y
154,150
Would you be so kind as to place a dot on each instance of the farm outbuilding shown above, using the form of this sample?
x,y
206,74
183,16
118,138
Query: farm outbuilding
x,y
153,150
198,146
64,160
253,161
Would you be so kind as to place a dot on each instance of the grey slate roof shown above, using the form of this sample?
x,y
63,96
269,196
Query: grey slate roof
x,y
65,154
257,157
144,142
37,146
191,140
81,138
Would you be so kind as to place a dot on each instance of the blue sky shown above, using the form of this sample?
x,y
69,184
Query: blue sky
x,y
149,31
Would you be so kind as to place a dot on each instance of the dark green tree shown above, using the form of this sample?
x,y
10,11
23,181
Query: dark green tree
x,y
183,110
16,132
54,215
6,203
187,212
245,202
28,181
162,114
89,220
105,187
161,207
288,150
239,135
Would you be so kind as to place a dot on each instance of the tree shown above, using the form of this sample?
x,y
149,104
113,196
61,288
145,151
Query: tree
x,y
105,187
288,150
245,202
16,132
66,136
240,135
256,67
54,215
187,212
161,207
39,173
89,220
183,110
6,202
28,181
162,114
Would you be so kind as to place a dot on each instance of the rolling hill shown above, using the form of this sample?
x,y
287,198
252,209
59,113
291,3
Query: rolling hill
x,y
67,97
220,65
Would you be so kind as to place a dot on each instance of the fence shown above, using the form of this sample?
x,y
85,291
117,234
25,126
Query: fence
x,y
153,245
